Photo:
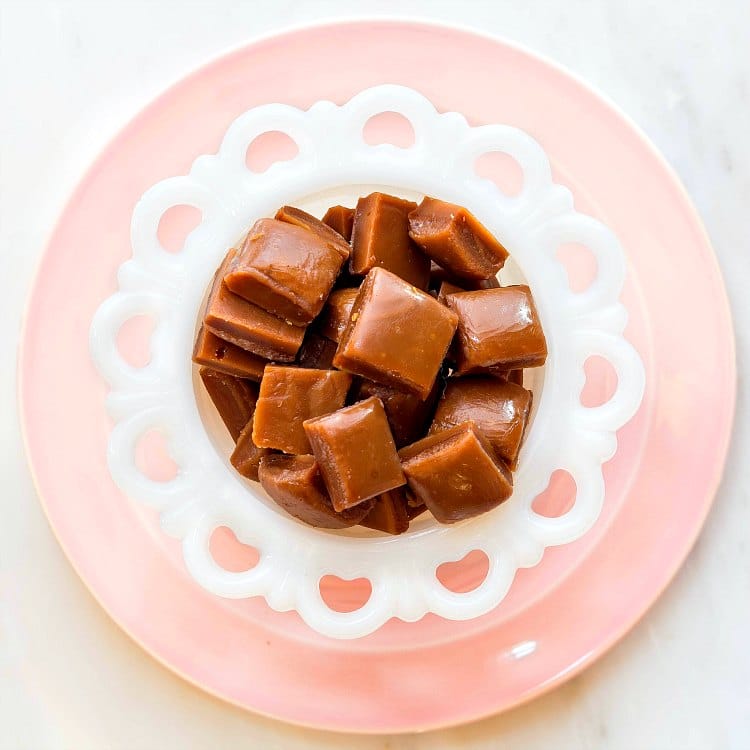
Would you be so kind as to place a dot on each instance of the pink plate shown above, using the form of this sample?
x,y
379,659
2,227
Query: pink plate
x,y
559,615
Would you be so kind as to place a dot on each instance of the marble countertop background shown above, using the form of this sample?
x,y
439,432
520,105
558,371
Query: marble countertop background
x,y
71,73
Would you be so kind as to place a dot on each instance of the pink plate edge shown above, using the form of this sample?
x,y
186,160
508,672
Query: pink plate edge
x,y
614,636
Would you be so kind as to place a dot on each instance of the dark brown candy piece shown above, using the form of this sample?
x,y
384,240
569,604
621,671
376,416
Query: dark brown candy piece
x,y
396,334
407,413
341,220
439,275
500,409
286,269
356,453
289,396
247,456
335,316
389,513
295,484
453,238
233,398
300,218
316,351
455,473
380,238
239,322
498,329
211,351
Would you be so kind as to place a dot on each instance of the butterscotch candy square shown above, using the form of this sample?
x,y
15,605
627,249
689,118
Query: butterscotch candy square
x,y
336,312
499,408
293,215
380,239
295,484
286,269
248,326
316,352
455,473
498,329
341,220
290,395
454,238
234,398
397,335
211,351
247,456
390,513
356,453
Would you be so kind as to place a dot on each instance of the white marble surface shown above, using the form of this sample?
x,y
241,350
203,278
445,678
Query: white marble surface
x,y
70,74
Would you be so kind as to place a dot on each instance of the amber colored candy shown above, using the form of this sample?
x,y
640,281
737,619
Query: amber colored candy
x,y
247,456
498,329
293,215
439,275
408,414
239,322
453,238
389,513
211,351
500,409
290,395
356,453
397,335
285,269
341,220
455,473
335,316
380,238
233,398
295,484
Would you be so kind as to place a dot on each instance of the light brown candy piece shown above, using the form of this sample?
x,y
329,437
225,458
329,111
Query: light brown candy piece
x,y
397,335
239,322
316,351
292,215
455,473
453,238
389,513
408,414
356,453
380,238
211,351
500,409
335,316
289,396
247,456
233,398
286,269
341,220
498,329
295,484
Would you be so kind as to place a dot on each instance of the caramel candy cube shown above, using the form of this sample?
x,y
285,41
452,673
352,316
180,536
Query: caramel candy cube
x,y
233,398
396,334
211,351
247,456
243,324
407,413
335,315
455,240
285,269
341,220
500,409
316,352
289,396
439,275
292,215
455,473
389,513
380,238
295,484
498,329
356,453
